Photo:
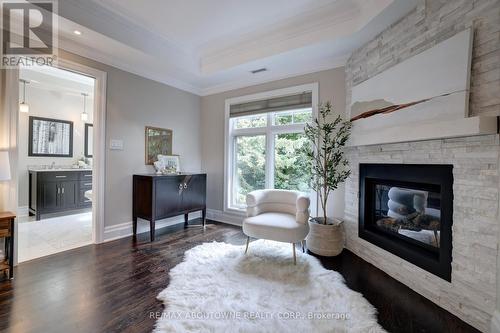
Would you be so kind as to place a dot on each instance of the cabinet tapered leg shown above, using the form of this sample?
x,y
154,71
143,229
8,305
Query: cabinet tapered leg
x,y
204,216
186,219
152,229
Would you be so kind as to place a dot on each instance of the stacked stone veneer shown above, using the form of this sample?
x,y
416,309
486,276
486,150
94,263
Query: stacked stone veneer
x,y
471,295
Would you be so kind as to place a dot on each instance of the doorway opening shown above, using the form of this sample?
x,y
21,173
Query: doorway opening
x,y
55,161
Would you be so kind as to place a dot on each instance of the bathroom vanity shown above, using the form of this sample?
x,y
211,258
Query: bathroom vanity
x,y
58,190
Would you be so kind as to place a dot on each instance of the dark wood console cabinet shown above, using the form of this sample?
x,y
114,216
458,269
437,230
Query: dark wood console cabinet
x,y
55,191
156,197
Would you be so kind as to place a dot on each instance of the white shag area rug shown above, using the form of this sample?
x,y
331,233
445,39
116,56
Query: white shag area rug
x,y
217,288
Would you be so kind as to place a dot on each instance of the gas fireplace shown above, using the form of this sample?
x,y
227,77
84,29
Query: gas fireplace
x,y
407,209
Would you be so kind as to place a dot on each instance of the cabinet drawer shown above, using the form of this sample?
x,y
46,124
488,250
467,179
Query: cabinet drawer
x,y
4,233
86,176
86,184
4,225
55,176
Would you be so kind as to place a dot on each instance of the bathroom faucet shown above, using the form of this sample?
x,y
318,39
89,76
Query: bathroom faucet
x,y
53,165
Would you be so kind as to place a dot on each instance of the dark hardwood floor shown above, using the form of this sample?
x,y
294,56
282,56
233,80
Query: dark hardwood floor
x,y
112,287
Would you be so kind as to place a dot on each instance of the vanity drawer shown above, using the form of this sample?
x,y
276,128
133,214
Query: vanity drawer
x,y
86,184
56,176
86,176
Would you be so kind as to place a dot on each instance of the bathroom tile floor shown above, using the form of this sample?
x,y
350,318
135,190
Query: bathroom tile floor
x,y
52,235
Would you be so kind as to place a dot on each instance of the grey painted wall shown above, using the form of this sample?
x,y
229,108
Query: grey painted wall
x,y
134,102
331,87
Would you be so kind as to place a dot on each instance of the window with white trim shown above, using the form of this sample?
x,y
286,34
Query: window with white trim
x,y
265,140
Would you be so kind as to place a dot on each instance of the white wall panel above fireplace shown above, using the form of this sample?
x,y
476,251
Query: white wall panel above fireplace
x,y
442,70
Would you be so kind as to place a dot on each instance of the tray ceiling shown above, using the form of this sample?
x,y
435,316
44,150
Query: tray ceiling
x,y
207,47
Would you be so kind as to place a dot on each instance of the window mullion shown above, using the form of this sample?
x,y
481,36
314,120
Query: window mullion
x,y
269,153
234,178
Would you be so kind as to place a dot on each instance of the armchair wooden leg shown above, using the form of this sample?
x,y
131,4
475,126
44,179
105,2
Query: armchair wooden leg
x,y
294,256
248,242
303,248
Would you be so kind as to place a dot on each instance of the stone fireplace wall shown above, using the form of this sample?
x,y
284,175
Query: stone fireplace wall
x,y
471,295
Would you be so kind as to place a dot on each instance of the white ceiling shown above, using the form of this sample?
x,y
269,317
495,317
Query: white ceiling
x,y
210,46
196,24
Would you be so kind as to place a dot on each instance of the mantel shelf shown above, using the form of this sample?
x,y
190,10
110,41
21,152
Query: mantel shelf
x,y
472,126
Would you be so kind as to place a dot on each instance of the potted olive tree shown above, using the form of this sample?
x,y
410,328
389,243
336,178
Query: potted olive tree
x,y
327,137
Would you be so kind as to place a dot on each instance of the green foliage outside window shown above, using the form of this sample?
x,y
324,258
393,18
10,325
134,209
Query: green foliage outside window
x,y
250,165
291,168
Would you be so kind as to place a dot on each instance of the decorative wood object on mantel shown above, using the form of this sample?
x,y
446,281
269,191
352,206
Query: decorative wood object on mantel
x,y
157,197
7,232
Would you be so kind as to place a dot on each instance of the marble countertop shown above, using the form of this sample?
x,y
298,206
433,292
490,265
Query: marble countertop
x,y
57,170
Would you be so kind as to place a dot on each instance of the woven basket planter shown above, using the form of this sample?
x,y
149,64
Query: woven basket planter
x,y
326,239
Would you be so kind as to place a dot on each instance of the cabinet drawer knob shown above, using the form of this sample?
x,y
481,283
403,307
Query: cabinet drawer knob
x,y
185,185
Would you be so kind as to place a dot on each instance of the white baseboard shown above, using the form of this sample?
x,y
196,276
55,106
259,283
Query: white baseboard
x,y
495,322
220,216
122,230
22,211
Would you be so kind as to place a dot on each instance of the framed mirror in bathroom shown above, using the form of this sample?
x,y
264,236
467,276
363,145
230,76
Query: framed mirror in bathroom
x,y
50,137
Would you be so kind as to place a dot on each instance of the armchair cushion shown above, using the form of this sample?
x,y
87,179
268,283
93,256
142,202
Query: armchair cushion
x,y
281,227
278,215
278,201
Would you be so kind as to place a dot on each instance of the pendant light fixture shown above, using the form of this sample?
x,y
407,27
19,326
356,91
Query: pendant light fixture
x,y
23,106
84,114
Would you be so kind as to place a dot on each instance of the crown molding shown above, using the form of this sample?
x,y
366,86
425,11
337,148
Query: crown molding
x,y
330,64
311,35
112,24
325,24
140,27
71,46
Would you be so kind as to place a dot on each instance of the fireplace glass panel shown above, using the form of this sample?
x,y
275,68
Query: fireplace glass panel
x,y
407,213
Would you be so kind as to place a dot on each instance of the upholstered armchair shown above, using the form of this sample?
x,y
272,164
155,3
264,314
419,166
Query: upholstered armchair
x,y
278,215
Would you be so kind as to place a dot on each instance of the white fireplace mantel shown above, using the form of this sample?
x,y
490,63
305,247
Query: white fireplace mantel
x,y
471,126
